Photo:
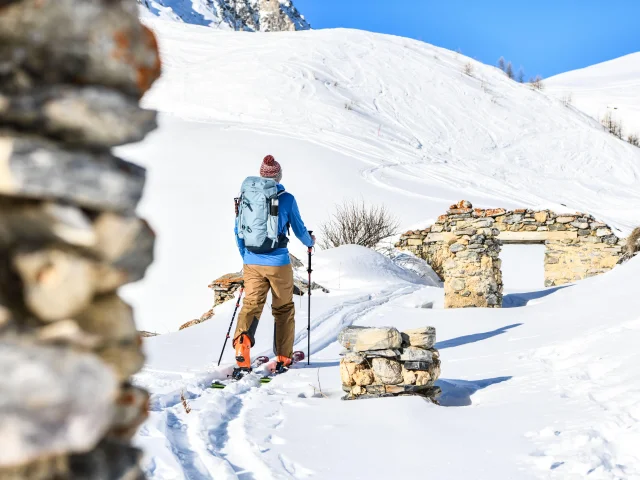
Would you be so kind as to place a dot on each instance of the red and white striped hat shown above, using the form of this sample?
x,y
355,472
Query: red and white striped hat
x,y
270,168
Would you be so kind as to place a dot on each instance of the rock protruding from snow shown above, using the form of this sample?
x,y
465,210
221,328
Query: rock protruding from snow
x,y
373,366
239,15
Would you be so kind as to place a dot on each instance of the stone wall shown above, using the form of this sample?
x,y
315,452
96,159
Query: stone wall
x,y
383,362
578,247
71,75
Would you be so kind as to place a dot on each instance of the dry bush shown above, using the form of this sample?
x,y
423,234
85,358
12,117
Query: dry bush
x,y
185,404
468,69
567,99
613,126
634,139
632,247
355,223
633,242
536,83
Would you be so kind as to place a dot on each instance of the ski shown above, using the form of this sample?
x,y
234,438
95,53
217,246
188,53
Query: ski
x,y
238,373
271,367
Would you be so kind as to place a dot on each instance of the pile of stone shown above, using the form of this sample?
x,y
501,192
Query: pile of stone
x,y
72,73
383,362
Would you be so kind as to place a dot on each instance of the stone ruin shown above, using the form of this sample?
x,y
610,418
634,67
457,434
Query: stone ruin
x,y
383,362
226,287
463,247
71,75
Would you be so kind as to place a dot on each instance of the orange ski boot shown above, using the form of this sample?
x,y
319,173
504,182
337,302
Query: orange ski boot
x,y
283,364
242,345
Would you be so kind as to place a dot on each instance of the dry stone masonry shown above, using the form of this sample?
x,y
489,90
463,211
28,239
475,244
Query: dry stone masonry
x,y
463,247
383,362
226,289
71,75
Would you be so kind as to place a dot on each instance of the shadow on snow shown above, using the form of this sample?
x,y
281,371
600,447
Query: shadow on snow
x,y
457,393
521,299
476,337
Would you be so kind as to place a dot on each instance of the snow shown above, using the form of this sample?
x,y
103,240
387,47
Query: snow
x,y
418,136
550,389
609,87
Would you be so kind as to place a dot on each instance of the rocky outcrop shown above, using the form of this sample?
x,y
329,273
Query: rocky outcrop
x,y
241,15
463,247
383,362
71,75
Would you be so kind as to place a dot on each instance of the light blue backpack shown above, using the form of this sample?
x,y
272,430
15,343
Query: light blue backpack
x,y
257,221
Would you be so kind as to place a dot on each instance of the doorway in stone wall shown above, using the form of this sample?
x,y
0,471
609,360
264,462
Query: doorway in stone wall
x,y
522,267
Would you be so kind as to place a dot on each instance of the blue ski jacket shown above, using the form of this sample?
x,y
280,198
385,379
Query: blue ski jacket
x,y
288,214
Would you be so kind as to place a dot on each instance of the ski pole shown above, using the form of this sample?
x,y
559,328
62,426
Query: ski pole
x,y
310,250
231,324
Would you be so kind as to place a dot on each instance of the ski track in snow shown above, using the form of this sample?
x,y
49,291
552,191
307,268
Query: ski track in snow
x,y
217,439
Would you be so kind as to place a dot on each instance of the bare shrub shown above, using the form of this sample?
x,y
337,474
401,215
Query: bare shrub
x,y
509,71
536,83
468,69
355,223
613,126
634,139
184,402
567,99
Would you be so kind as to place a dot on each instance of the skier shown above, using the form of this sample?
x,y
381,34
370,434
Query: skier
x,y
267,265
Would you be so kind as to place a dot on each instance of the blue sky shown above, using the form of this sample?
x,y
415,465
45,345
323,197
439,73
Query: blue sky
x,y
545,37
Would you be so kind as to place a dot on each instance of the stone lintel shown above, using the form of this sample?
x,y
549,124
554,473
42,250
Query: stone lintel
x,y
535,237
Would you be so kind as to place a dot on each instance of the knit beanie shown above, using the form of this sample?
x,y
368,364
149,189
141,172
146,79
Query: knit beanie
x,y
271,169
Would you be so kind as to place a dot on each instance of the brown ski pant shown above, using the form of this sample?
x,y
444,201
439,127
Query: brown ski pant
x,y
258,280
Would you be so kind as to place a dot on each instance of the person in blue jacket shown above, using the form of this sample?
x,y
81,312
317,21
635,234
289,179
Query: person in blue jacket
x,y
270,271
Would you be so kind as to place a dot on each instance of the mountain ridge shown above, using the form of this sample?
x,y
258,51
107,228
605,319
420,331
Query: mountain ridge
x,y
239,15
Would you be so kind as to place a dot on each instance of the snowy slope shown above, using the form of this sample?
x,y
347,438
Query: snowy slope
x,y
239,15
551,390
612,86
349,114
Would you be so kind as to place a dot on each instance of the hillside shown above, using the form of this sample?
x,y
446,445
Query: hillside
x,y
239,15
547,390
349,114
612,86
